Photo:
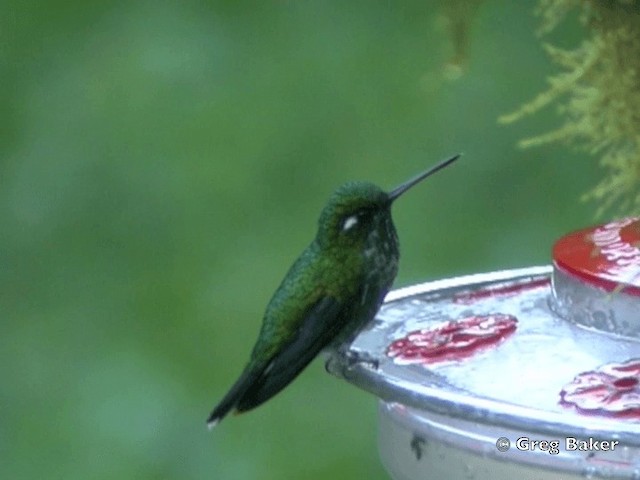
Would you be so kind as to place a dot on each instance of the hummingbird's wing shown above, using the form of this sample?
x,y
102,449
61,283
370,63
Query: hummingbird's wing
x,y
322,322
308,310
262,380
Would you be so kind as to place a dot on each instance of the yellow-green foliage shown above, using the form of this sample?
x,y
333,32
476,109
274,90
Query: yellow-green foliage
x,y
598,95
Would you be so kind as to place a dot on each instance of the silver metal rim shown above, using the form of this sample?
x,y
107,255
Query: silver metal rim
x,y
477,409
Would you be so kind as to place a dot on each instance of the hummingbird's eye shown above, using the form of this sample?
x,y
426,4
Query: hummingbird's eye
x,y
349,222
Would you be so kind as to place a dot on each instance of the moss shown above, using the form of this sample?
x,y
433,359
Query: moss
x,y
597,93
459,15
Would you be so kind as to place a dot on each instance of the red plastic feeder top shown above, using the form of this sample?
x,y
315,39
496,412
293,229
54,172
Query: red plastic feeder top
x,y
596,277
605,256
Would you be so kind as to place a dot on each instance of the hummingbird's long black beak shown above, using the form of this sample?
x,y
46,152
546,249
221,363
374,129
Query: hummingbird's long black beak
x,y
396,192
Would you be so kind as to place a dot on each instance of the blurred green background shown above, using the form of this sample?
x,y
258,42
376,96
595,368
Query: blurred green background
x,y
163,163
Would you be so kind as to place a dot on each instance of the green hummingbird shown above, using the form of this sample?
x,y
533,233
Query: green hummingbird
x,y
331,291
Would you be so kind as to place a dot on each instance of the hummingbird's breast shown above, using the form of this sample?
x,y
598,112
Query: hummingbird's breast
x,y
379,268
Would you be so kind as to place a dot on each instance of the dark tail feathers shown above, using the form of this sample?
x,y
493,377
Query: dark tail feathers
x,y
248,378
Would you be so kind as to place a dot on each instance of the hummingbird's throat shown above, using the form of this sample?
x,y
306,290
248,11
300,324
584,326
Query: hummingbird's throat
x,y
381,252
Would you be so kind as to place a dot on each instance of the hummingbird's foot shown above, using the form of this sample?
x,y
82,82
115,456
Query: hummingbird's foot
x,y
332,366
353,358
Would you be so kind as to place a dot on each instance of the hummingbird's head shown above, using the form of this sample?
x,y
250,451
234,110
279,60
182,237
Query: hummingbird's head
x,y
357,209
353,211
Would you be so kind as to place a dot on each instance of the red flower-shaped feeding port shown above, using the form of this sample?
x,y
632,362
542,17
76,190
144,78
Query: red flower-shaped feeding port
x,y
613,389
453,340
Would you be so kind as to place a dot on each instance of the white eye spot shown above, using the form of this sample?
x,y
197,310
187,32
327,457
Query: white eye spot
x,y
349,223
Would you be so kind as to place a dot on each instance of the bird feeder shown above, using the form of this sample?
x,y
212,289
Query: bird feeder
x,y
527,373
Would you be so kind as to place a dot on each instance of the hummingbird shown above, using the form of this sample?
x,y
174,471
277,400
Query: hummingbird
x,y
332,290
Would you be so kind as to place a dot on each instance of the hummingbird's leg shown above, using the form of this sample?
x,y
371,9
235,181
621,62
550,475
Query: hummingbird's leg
x,y
332,366
342,358
352,358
